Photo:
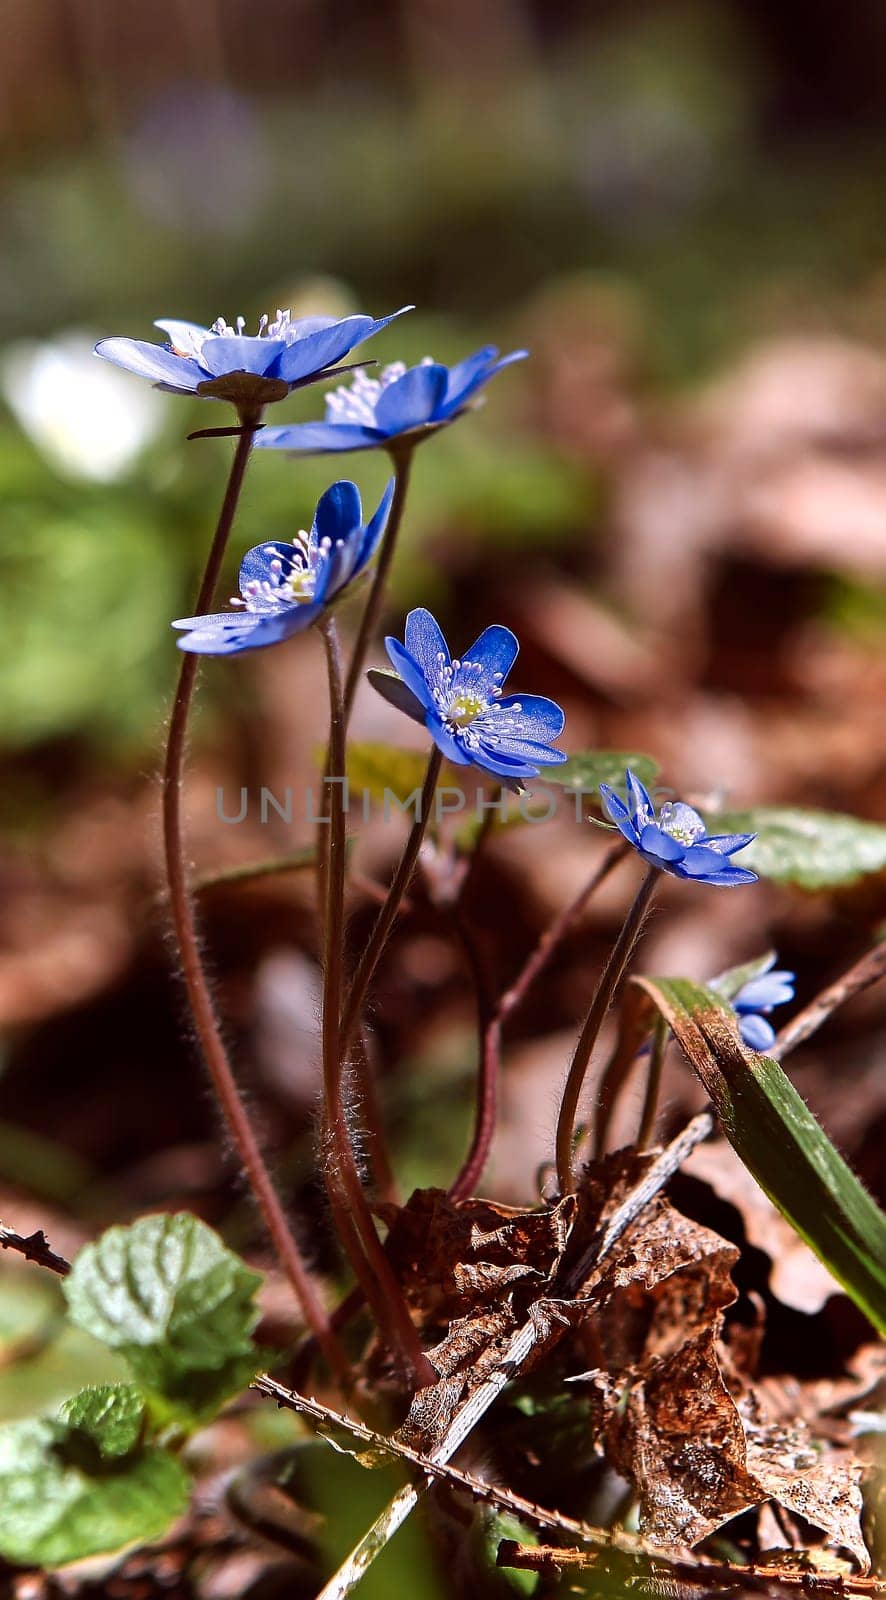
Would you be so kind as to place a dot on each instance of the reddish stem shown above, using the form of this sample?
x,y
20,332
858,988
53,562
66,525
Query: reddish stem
x,y
199,997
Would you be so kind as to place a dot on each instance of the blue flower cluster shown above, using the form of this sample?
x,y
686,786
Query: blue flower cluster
x,y
676,841
284,588
401,403
460,701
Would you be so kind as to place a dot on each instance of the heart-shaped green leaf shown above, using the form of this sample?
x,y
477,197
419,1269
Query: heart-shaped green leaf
x,y
175,1302
55,1509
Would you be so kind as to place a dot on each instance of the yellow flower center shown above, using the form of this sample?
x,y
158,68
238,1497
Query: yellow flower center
x,y
464,709
300,585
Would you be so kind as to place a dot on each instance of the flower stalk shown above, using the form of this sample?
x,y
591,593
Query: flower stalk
x,y
402,463
350,1208
375,945
184,922
653,1084
610,978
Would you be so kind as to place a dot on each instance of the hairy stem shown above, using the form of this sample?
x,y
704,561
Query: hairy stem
x,y
402,460
385,920
350,1207
199,997
380,1167
610,978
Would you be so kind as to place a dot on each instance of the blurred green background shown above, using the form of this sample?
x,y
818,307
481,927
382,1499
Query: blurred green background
x,y
676,177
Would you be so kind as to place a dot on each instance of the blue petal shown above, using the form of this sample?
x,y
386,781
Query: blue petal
x,y
319,438
326,346
339,513
464,383
152,361
409,671
464,372
726,878
523,751
726,844
221,355
639,804
426,644
699,862
494,653
767,990
654,842
756,1032
300,327
257,567
540,718
335,567
411,400
446,740
517,749
374,531
186,338
250,633
321,348
209,619
618,813
497,760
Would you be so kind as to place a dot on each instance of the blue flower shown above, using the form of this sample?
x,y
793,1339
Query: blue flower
x,y
758,996
400,403
226,363
676,840
461,705
284,588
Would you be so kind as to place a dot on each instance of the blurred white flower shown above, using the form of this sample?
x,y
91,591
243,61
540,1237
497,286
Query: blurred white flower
x,y
86,417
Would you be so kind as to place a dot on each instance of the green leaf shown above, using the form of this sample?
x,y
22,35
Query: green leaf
x,y
111,1415
780,1142
813,849
728,983
53,1509
175,1302
589,768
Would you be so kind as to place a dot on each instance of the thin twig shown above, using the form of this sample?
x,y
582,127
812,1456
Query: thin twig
x,y
866,971
696,1572
505,1499
521,1345
35,1247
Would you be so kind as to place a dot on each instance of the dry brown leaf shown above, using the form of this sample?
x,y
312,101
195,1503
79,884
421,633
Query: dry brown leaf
x,y
453,1257
797,1278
